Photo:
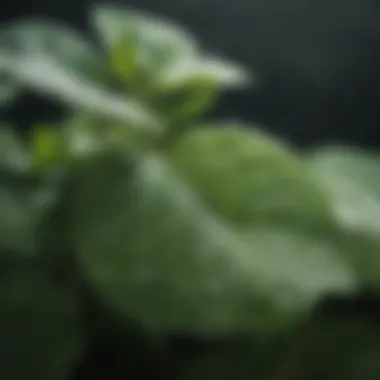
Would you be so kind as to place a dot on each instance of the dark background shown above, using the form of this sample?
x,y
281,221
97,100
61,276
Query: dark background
x,y
317,61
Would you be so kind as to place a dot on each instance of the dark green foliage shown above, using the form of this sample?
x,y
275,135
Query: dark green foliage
x,y
39,331
186,250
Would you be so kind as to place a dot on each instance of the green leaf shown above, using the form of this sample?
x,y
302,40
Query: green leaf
x,y
250,178
159,253
39,335
352,180
81,137
181,105
85,135
221,73
124,62
24,201
24,198
46,39
47,145
162,53
16,224
47,77
190,88
160,42
354,185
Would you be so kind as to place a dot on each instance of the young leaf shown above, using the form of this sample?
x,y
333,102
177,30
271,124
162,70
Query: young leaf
x,y
162,53
181,105
46,145
159,42
124,62
223,74
160,254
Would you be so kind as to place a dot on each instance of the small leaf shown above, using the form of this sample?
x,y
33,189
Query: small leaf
x,y
124,61
166,55
184,104
222,74
156,44
46,145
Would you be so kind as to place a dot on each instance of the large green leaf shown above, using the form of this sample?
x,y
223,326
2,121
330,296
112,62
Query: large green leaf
x,y
352,181
39,335
160,253
250,178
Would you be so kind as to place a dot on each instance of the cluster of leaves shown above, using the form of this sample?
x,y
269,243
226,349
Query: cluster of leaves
x,y
181,226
